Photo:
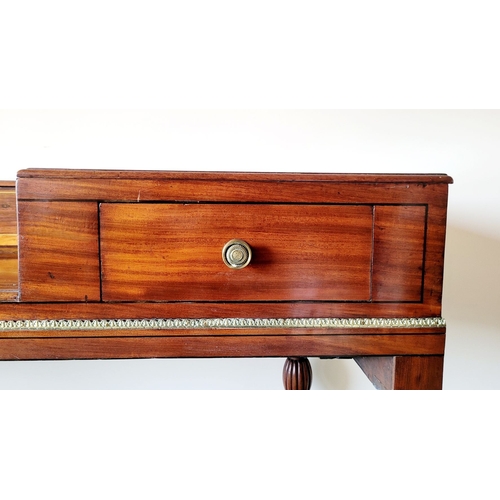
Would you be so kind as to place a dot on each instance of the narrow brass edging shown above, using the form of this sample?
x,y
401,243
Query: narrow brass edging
x,y
217,323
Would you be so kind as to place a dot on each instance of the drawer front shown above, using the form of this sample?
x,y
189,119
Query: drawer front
x,y
58,251
173,252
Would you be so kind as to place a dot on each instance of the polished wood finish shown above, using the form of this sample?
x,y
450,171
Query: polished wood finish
x,y
138,187
157,175
8,272
398,260
212,345
297,374
122,244
58,251
312,252
8,208
109,310
403,372
229,187
8,242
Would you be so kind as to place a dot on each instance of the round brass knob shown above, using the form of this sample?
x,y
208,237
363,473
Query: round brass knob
x,y
236,254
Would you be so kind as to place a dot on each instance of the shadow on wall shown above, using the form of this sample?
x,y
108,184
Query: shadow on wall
x,y
339,374
471,306
472,278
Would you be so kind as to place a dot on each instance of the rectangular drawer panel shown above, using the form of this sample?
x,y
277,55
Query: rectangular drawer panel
x,y
398,260
173,252
58,251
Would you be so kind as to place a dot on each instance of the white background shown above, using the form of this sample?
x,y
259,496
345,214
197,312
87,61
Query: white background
x,y
464,144
362,64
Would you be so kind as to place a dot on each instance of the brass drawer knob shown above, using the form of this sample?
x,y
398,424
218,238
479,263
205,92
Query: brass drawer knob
x,y
236,254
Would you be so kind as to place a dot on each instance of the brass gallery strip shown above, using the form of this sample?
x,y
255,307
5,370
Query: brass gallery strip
x,y
215,323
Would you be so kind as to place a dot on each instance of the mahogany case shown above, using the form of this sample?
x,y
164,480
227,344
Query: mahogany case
x,y
345,249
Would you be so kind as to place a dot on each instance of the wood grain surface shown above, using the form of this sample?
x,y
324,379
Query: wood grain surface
x,y
141,244
403,372
398,260
8,242
173,252
232,176
213,346
58,251
110,310
8,223
225,191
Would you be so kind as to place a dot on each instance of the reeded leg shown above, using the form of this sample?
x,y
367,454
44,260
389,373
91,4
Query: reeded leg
x,y
297,374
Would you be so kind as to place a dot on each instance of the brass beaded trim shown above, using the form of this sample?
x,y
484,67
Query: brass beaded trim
x,y
217,323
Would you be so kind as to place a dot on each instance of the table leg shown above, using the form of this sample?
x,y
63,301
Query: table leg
x,y
403,372
297,374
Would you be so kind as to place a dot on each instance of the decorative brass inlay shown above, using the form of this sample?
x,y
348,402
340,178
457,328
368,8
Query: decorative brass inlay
x,y
217,323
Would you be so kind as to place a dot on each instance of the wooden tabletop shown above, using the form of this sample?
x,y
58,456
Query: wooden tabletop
x,y
234,176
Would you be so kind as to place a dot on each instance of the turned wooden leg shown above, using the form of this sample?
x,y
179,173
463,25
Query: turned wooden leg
x,y
403,372
297,374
